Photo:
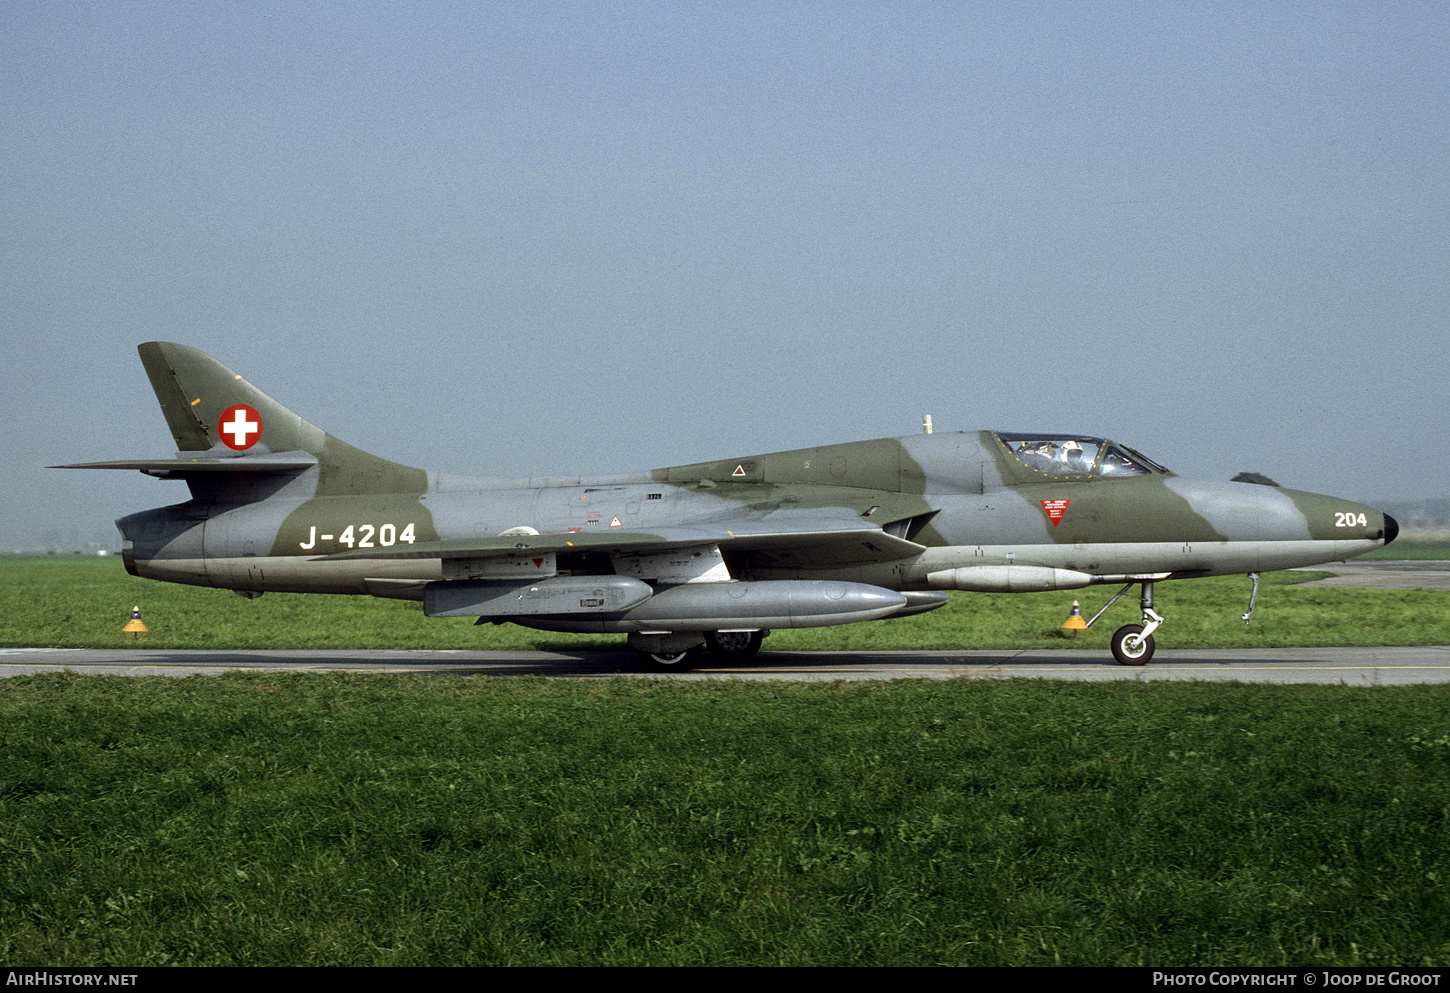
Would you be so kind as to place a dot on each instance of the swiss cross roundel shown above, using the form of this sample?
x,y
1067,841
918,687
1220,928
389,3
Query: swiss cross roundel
x,y
239,427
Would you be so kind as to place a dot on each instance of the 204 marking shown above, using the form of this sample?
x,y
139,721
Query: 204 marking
x,y
1350,520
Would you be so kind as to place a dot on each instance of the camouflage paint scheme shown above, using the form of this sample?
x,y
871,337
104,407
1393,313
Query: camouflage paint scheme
x,y
671,557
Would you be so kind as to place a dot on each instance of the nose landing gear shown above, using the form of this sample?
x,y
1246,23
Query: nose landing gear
x,y
1132,644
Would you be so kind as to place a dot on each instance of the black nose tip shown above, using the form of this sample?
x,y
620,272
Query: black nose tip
x,y
1392,529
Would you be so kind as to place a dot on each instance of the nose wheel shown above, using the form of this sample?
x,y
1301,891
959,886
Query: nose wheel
x,y
1132,644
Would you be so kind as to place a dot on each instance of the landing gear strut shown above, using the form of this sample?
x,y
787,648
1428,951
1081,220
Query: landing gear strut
x,y
1253,595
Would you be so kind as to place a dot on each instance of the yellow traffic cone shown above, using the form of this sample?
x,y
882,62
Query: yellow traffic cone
x,y
134,627
1074,622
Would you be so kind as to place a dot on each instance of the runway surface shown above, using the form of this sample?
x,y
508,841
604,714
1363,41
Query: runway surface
x,y
1351,666
1432,574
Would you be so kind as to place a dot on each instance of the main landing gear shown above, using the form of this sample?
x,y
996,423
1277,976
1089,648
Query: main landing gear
x,y
672,661
736,646
673,653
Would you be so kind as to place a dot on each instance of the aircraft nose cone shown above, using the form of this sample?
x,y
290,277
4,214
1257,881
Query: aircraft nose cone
x,y
1392,529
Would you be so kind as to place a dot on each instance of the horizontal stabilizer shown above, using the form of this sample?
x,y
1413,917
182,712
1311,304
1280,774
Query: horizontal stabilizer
x,y
264,462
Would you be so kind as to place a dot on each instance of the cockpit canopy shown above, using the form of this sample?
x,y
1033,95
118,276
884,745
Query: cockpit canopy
x,y
1075,456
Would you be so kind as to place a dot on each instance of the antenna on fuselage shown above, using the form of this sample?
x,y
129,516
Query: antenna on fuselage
x,y
926,424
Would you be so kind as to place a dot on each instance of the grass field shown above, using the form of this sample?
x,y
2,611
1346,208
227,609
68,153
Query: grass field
x,y
1412,550
285,819
83,601
265,819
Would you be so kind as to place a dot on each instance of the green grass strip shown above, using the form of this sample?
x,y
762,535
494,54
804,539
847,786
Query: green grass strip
x,y
266,819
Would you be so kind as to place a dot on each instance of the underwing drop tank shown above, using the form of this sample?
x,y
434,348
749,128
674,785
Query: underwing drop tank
x,y
621,604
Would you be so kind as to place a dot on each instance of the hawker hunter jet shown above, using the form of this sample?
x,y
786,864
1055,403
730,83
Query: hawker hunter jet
x,y
714,553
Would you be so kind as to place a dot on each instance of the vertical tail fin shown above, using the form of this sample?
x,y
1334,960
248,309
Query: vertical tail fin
x,y
210,408
200,397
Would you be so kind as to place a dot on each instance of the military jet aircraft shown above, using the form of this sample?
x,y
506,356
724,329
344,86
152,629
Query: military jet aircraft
x,y
716,553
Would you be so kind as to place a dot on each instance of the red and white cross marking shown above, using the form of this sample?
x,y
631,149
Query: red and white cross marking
x,y
239,426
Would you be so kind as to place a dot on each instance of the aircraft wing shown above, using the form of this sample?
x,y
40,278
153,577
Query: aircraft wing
x,y
797,535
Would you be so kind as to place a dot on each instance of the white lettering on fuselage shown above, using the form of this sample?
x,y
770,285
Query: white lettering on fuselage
x,y
363,535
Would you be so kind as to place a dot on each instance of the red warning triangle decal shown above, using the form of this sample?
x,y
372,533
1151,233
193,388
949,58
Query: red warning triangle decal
x,y
1055,509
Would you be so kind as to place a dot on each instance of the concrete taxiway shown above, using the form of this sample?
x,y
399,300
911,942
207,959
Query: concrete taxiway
x,y
1376,575
1350,666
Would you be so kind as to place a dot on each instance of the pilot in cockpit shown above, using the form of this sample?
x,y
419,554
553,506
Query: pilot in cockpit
x,y
1072,455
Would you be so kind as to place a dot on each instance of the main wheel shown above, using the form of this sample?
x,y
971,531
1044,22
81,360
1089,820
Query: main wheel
x,y
672,661
737,645
1130,647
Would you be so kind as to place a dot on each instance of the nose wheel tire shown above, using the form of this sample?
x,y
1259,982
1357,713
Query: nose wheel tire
x,y
1130,647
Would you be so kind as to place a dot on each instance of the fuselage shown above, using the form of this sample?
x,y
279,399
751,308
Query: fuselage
x,y
985,510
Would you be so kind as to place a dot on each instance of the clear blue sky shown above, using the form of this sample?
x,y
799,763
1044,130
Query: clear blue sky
x,y
513,239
